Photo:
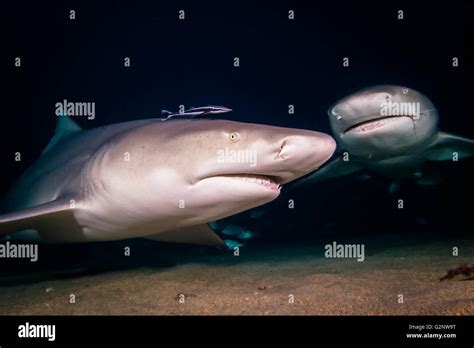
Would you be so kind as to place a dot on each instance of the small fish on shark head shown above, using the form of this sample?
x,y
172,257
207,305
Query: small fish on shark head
x,y
195,112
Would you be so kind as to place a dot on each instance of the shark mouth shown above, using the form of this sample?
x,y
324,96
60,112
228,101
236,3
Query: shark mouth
x,y
267,181
374,123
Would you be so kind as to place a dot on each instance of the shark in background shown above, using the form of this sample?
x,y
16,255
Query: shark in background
x,y
162,180
389,130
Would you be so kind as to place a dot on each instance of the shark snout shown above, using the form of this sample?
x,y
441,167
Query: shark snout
x,y
303,153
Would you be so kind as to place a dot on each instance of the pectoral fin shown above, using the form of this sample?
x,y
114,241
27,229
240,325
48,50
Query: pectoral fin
x,y
336,168
446,146
200,234
37,217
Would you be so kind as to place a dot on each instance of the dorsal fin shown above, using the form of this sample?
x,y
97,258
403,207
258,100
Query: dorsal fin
x,y
64,127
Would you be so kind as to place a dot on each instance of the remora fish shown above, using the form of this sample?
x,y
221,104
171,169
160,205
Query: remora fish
x,y
390,130
194,112
154,179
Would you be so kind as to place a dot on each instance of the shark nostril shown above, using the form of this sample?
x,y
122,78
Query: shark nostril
x,y
281,153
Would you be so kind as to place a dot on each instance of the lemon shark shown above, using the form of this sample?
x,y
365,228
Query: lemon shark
x,y
390,130
163,180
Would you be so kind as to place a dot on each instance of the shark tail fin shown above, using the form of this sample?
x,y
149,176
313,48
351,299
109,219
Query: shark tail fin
x,y
65,126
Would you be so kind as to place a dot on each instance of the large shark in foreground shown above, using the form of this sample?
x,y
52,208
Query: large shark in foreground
x,y
163,180
389,130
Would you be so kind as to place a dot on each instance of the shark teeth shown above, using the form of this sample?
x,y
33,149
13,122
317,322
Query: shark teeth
x,y
258,179
373,124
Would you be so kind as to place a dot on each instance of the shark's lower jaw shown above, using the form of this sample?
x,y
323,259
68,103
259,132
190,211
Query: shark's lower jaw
x,y
374,124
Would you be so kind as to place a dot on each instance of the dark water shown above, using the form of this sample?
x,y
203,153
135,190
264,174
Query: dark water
x,y
281,62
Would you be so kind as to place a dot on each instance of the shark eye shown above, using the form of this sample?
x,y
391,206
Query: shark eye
x,y
339,118
234,136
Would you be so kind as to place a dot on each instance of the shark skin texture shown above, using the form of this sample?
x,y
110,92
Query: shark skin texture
x,y
156,179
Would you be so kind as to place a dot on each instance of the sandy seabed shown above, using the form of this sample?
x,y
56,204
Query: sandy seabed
x,y
283,281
